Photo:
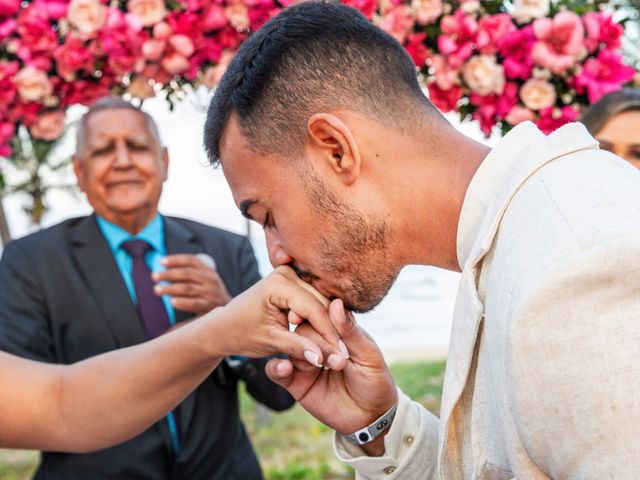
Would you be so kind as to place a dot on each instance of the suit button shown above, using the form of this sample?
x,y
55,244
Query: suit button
x,y
408,440
389,470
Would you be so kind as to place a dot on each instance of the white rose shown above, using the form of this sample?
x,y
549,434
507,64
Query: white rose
x,y
483,75
525,10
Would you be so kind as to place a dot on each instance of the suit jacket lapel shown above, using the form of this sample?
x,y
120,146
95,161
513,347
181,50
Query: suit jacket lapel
x,y
178,239
482,230
102,276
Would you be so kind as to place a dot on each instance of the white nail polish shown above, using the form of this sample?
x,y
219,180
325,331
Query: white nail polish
x,y
343,349
312,358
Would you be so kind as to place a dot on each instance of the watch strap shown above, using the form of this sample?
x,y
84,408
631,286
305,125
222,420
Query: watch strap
x,y
372,431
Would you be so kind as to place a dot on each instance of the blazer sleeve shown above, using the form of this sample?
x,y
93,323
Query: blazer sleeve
x,y
24,323
574,365
411,447
252,371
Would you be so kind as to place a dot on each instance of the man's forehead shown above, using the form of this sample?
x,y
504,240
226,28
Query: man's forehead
x,y
121,120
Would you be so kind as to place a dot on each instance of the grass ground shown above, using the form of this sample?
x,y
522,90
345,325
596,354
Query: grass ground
x,y
291,445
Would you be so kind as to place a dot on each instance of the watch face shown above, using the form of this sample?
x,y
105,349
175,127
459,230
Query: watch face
x,y
363,437
382,425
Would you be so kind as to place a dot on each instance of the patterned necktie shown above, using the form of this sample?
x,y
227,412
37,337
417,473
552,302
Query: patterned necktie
x,y
155,319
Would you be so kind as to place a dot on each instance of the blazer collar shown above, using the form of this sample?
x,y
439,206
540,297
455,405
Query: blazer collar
x,y
516,157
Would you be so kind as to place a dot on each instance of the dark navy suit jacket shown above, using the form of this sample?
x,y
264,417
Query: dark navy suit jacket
x,y
63,299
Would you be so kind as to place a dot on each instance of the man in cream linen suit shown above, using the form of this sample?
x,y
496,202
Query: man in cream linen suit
x,y
327,140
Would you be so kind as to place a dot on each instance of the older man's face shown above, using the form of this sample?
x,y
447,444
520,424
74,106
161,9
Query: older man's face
x,y
121,167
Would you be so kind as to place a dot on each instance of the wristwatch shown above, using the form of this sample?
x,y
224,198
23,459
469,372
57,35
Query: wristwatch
x,y
369,433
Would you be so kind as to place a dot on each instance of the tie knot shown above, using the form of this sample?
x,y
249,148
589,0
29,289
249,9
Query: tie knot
x,y
136,248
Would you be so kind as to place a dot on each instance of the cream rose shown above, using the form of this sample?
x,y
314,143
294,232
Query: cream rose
x,y
426,11
525,10
483,75
49,126
519,114
238,15
147,11
213,74
538,94
33,84
87,16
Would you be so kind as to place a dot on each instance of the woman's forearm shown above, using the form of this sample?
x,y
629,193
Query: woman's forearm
x,y
105,399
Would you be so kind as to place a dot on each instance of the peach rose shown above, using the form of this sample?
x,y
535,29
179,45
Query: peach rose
x,y
182,44
519,114
48,126
483,75
87,16
538,94
162,31
147,11
213,74
426,11
153,49
33,84
238,15
174,63
525,10
141,88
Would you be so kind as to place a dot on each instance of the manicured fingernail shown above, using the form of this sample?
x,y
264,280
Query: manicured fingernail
x,y
281,369
155,276
157,289
334,361
343,349
312,358
165,261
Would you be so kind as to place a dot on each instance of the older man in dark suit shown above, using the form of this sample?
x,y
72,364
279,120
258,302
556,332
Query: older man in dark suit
x,y
124,275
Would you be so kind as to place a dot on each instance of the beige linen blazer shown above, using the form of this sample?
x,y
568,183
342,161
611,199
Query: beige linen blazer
x,y
543,372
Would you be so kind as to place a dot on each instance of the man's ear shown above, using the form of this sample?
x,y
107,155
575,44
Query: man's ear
x,y
331,140
165,163
78,171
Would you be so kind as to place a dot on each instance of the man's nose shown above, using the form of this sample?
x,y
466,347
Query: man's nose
x,y
277,254
123,155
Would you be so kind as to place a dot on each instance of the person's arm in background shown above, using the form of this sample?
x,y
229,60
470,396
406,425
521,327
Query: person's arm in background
x,y
68,408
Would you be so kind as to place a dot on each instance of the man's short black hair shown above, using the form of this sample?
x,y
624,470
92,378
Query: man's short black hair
x,y
312,57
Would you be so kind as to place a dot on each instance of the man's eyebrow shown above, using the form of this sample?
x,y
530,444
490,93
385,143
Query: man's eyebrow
x,y
245,206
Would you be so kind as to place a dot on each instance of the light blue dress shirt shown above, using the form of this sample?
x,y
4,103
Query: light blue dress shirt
x,y
153,234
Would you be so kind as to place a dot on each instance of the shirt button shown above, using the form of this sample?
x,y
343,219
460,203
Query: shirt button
x,y
389,470
408,440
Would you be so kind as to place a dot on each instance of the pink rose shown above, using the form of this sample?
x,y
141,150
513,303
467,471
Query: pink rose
x,y
35,30
426,11
153,49
485,112
87,16
141,88
515,48
174,63
491,29
49,126
72,57
9,8
182,44
33,84
54,9
551,119
238,15
417,49
398,22
601,30
525,10
538,94
445,76
560,41
7,27
366,7
147,12
602,75
162,31
214,17
519,114
445,100
7,130
484,75
458,37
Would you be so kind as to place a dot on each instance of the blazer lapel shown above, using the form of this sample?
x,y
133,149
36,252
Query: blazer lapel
x,y
99,269
179,239
468,312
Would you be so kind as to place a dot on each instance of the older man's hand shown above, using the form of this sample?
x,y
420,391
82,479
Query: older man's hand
x,y
194,285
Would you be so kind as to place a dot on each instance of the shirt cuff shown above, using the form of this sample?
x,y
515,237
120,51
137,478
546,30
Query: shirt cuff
x,y
400,443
